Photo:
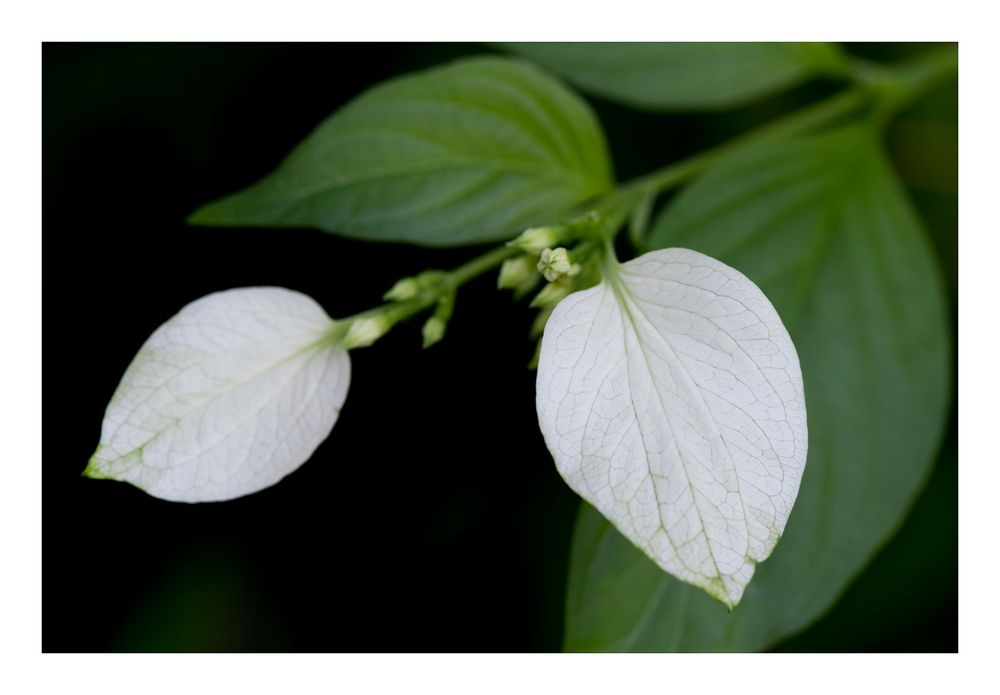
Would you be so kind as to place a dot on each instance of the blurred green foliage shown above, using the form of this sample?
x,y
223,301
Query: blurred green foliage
x,y
686,76
205,602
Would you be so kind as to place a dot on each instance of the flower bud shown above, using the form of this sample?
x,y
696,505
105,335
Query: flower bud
x,y
533,363
514,272
537,238
554,263
538,325
518,274
404,289
410,287
433,330
365,331
551,294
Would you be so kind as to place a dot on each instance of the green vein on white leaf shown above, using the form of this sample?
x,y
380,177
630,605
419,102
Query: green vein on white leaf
x,y
226,398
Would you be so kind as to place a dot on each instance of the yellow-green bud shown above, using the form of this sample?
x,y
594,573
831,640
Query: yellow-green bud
x,y
410,287
554,263
518,274
365,331
533,364
537,238
538,325
514,272
551,294
404,289
433,330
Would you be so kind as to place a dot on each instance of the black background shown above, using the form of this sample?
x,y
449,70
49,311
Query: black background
x,y
432,518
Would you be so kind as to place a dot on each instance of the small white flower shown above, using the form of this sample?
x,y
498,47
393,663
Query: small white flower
x,y
554,263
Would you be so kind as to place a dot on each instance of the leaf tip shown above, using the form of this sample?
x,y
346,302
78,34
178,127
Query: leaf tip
x,y
728,596
205,216
94,466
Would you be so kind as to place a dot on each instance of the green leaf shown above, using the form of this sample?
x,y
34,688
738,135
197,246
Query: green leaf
x,y
823,227
471,152
679,76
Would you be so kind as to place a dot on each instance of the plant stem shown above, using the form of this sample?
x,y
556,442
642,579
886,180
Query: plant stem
x,y
394,312
645,188
892,87
928,70
901,85
481,264
812,116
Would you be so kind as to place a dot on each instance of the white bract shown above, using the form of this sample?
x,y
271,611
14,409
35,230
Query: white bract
x,y
670,396
226,398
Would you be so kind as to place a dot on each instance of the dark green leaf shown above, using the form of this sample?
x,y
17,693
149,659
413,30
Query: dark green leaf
x,y
823,226
685,75
879,612
471,152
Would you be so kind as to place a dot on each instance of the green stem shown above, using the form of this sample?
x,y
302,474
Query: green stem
x,y
884,90
813,116
394,312
477,266
899,86
894,87
628,196
927,71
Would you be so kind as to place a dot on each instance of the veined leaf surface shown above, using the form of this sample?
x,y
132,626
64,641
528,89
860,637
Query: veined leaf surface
x,y
671,398
226,398
471,152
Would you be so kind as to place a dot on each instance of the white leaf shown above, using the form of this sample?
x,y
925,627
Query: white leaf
x,y
670,396
226,398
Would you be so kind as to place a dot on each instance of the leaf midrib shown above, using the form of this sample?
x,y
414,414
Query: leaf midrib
x,y
623,294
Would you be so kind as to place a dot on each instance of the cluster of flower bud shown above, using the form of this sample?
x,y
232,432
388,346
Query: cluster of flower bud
x,y
521,273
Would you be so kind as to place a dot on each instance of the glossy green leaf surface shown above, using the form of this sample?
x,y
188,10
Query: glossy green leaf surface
x,y
471,152
685,76
823,227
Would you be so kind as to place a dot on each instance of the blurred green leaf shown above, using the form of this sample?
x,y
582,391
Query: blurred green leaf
x,y
471,152
679,76
207,600
881,613
824,228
